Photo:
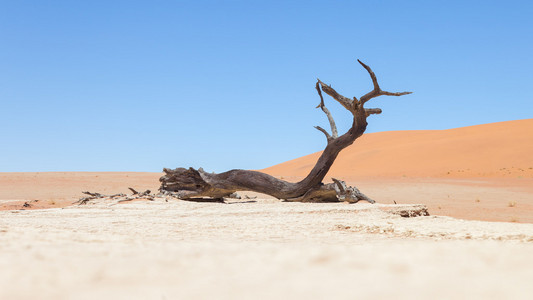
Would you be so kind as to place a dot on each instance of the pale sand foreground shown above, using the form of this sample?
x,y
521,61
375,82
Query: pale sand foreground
x,y
262,250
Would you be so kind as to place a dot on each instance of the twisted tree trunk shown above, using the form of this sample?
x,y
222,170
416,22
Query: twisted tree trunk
x,y
190,184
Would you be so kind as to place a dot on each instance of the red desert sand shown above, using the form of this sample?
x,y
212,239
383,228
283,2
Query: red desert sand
x,y
259,247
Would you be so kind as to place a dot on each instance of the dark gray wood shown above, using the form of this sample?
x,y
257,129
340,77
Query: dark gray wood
x,y
191,184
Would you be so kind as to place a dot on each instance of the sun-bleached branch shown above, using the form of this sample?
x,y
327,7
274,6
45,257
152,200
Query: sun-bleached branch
x,y
334,132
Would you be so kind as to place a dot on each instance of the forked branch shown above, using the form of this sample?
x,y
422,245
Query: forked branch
x,y
344,101
376,92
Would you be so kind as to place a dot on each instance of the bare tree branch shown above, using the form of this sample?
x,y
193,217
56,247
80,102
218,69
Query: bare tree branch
x,y
344,101
376,92
372,75
334,133
384,93
372,111
324,131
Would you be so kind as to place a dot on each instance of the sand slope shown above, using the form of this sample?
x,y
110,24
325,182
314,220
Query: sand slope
x,y
502,149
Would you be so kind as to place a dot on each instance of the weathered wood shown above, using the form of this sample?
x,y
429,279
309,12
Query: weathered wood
x,y
190,184
349,193
93,196
334,133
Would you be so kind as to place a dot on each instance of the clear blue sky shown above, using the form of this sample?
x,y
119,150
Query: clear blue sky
x,y
142,85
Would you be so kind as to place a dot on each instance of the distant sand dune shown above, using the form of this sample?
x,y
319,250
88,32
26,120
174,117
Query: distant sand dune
x,y
502,149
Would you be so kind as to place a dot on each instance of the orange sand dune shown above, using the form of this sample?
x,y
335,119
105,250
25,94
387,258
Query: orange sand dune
x,y
502,149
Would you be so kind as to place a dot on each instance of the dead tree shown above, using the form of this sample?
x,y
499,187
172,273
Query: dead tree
x,y
191,183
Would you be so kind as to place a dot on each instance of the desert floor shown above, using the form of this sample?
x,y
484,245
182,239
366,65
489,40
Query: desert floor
x,y
261,247
485,199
